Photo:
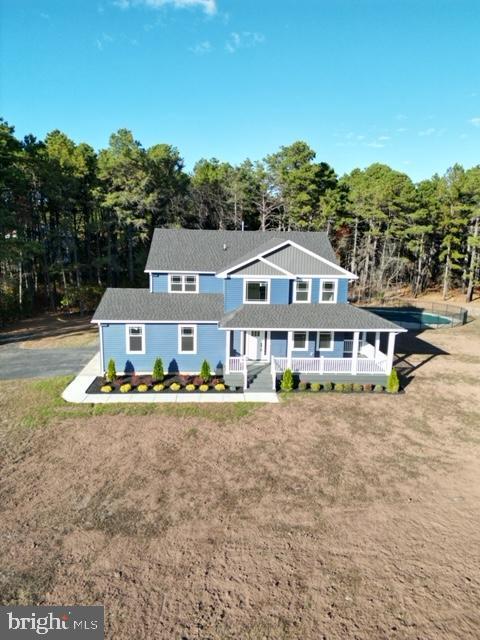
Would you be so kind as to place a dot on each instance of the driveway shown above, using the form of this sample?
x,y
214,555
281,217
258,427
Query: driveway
x,y
16,362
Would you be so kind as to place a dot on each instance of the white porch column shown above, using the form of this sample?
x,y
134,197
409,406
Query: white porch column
x,y
377,344
289,349
364,336
356,337
390,352
228,336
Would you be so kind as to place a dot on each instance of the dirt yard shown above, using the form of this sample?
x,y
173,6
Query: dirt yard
x,y
327,516
51,330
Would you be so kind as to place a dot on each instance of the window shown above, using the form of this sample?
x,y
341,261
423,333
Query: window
x,y
325,341
300,341
135,334
187,339
328,291
183,283
256,291
302,291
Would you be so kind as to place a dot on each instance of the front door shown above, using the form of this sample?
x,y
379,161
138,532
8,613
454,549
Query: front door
x,y
256,345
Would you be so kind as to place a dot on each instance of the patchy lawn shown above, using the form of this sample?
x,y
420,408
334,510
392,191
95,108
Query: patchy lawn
x,y
51,330
326,516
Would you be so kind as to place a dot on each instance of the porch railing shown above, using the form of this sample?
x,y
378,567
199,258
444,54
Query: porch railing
x,y
348,345
238,364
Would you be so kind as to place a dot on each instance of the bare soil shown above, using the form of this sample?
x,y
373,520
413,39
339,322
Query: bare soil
x,y
51,330
349,516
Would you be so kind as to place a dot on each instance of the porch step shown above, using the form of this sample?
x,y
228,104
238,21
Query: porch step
x,y
259,378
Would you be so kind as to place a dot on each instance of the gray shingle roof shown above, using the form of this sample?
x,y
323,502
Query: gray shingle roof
x,y
258,268
300,263
137,305
341,316
202,250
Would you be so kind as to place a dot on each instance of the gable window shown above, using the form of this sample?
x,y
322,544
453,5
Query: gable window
x,y
302,291
187,338
135,334
300,342
183,283
325,341
328,291
256,291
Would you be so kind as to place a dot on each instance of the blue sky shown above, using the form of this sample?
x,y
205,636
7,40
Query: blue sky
x,y
362,81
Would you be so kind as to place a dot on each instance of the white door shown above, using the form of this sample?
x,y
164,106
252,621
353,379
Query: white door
x,y
256,346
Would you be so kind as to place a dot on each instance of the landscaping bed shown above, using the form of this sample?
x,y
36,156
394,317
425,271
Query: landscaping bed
x,y
339,387
187,384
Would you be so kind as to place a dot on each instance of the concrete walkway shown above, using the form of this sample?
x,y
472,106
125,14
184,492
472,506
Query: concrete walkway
x,y
76,392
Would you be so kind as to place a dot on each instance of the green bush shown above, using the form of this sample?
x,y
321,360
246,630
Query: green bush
x,y
393,384
158,373
106,388
203,387
339,387
357,387
125,388
220,386
378,388
328,386
190,387
205,371
315,386
142,388
159,387
175,386
348,388
302,386
111,375
287,380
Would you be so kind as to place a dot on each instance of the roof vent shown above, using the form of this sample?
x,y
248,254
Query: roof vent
x,y
224,246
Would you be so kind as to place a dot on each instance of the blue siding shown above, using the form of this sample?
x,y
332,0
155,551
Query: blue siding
x,y
162,341
315,290
159,282
233,293
279,343
208,283
342,295
237,343
280,291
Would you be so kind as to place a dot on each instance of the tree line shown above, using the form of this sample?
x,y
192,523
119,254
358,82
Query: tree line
x,y
73,220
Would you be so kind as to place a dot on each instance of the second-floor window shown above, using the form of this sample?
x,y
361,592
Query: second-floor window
x,y
183,283
301,291
256,291
328,291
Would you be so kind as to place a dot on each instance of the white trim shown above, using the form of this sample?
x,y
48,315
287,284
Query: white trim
x,y
150,281
157,322
179,337
265,354
305,345
321,259
332,341
309,329
274,266
335,291
167,271
102,359
309,291
183,276
127,339
256,279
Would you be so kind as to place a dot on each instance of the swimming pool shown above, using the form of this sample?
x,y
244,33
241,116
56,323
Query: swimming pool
x,y
413,318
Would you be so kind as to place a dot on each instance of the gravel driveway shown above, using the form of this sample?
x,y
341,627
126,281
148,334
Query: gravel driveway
x,y
16,362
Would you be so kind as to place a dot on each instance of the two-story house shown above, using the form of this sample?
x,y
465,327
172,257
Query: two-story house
x,y
245,301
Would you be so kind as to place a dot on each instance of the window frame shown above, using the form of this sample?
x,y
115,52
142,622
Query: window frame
x,y
247,281
179,338
332,341
127,338
305,344
183,277
309,290
335,290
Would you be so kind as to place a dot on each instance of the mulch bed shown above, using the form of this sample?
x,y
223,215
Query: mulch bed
x,y
182,380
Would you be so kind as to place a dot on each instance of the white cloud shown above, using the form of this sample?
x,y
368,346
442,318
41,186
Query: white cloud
x,y
243,40
401,116
463,136
375,144
208,6
103,40
427,132
401,130
201,48
475,121
383,137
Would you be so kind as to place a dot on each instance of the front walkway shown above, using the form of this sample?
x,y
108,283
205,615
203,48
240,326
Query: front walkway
x,y
76,392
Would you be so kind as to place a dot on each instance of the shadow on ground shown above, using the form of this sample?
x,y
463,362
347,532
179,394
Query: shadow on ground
x,y
409,349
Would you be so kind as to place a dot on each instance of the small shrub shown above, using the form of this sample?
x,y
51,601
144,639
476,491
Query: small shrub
x,y
378,388
203,387
328,386
142,388
159,387
348,388
158,373
190,387
219,386
315,386
106,388
125,388
111,371
287,380
393,384
205,370
197,381
368,387
302,386
175,386
339,387
357,387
